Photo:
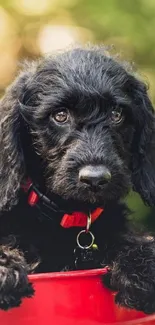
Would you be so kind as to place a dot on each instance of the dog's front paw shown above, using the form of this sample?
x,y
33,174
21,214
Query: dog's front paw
x,y
132,292
14,284
137,299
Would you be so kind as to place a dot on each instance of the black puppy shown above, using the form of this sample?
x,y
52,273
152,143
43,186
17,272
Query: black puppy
x,y
76,134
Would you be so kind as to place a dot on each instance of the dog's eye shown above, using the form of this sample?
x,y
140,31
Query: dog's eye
x,y
117,116
61,116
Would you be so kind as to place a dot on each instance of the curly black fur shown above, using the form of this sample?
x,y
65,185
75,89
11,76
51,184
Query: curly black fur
x,y
90,84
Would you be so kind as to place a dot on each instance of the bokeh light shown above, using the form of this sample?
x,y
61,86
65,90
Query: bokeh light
x,y
53,38
58,37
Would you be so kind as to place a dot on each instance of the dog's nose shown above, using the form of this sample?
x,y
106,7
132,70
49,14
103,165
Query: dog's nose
x,y
94,175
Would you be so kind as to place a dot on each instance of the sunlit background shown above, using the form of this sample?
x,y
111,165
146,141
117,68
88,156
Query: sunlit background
x,y
31,28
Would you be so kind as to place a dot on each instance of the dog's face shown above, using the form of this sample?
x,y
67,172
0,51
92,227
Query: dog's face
x,y
89,119
84,126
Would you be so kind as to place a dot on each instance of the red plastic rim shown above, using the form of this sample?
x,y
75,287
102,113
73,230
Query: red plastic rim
x,y
69,274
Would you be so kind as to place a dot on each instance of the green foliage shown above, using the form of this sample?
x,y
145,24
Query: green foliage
x,y
128,24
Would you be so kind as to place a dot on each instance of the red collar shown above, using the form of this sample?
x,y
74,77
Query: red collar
x,y
76,219
79,219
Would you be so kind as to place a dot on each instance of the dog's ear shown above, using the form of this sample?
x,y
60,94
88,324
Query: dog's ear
x,y
11,157
143,155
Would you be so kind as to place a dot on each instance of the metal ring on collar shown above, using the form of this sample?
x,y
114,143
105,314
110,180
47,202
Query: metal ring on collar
x,y
92,238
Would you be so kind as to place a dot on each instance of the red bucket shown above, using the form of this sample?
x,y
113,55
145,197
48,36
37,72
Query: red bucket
x,y
72,298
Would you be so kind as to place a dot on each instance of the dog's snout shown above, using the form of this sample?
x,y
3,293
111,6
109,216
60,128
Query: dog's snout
x,y
94,175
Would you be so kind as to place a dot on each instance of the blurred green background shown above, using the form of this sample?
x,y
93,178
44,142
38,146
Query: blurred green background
x,y
30,28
